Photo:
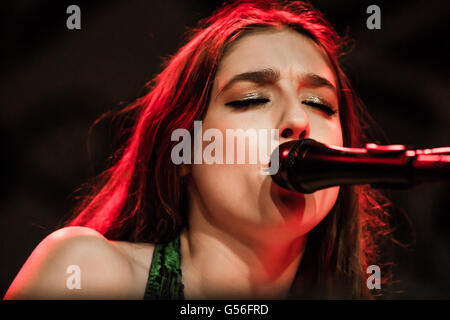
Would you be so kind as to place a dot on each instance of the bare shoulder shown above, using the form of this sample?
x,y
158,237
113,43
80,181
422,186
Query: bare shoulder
x,y
140,257
79,263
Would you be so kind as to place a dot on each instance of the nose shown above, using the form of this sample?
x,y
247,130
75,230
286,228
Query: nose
x,y
295,123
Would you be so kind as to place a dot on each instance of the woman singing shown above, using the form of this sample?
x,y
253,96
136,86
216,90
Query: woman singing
x,y
149,228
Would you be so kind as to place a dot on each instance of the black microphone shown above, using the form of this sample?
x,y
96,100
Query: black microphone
x,y
307,165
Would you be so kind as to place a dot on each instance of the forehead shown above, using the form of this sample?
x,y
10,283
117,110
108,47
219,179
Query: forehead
x,y
286,50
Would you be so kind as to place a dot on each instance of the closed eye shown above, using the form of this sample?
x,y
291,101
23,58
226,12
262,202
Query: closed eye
x,y
330,111
245,103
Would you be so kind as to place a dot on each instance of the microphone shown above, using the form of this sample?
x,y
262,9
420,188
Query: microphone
x,y
307,165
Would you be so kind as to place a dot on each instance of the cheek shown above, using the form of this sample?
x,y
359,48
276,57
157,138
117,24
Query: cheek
x,y
222,188
326,131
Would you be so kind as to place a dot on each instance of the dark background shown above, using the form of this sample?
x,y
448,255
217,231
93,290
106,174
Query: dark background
x,y
56,82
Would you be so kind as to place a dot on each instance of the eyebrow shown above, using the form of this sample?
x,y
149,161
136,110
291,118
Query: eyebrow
x,y
270,76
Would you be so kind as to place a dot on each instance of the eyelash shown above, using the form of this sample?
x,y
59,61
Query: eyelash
x,y
325,108
246,103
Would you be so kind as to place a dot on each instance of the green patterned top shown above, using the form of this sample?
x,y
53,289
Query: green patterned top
x,y
165,279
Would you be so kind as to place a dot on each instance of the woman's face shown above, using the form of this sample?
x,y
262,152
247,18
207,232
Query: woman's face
x,y
295,94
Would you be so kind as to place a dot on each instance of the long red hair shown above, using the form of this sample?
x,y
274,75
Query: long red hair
x,y
141,197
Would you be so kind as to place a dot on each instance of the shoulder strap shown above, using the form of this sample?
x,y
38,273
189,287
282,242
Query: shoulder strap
x,y
164,280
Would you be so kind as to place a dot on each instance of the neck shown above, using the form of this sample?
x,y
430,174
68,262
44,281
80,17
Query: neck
x,y
233,265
